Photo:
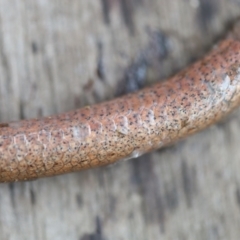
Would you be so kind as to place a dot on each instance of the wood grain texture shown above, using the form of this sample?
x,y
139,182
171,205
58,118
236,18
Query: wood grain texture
x,y
125,127
55,56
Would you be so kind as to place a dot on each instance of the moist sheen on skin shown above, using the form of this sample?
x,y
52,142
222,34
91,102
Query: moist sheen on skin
x,y
125,127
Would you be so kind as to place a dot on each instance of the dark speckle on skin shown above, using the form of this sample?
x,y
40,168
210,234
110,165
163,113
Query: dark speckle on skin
x,y
97,235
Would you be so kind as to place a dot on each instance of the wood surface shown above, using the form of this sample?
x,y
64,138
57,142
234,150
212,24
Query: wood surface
x,y
60,55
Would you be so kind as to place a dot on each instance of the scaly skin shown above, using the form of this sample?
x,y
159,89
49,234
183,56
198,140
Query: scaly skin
x,y
128,126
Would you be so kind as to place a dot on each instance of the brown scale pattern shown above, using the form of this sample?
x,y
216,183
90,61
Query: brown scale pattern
x,y
128,126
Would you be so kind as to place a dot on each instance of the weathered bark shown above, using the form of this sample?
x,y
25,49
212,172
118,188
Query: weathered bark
x,y
60,55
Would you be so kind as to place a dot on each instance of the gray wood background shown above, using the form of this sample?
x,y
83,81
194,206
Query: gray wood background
x,y
59,55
